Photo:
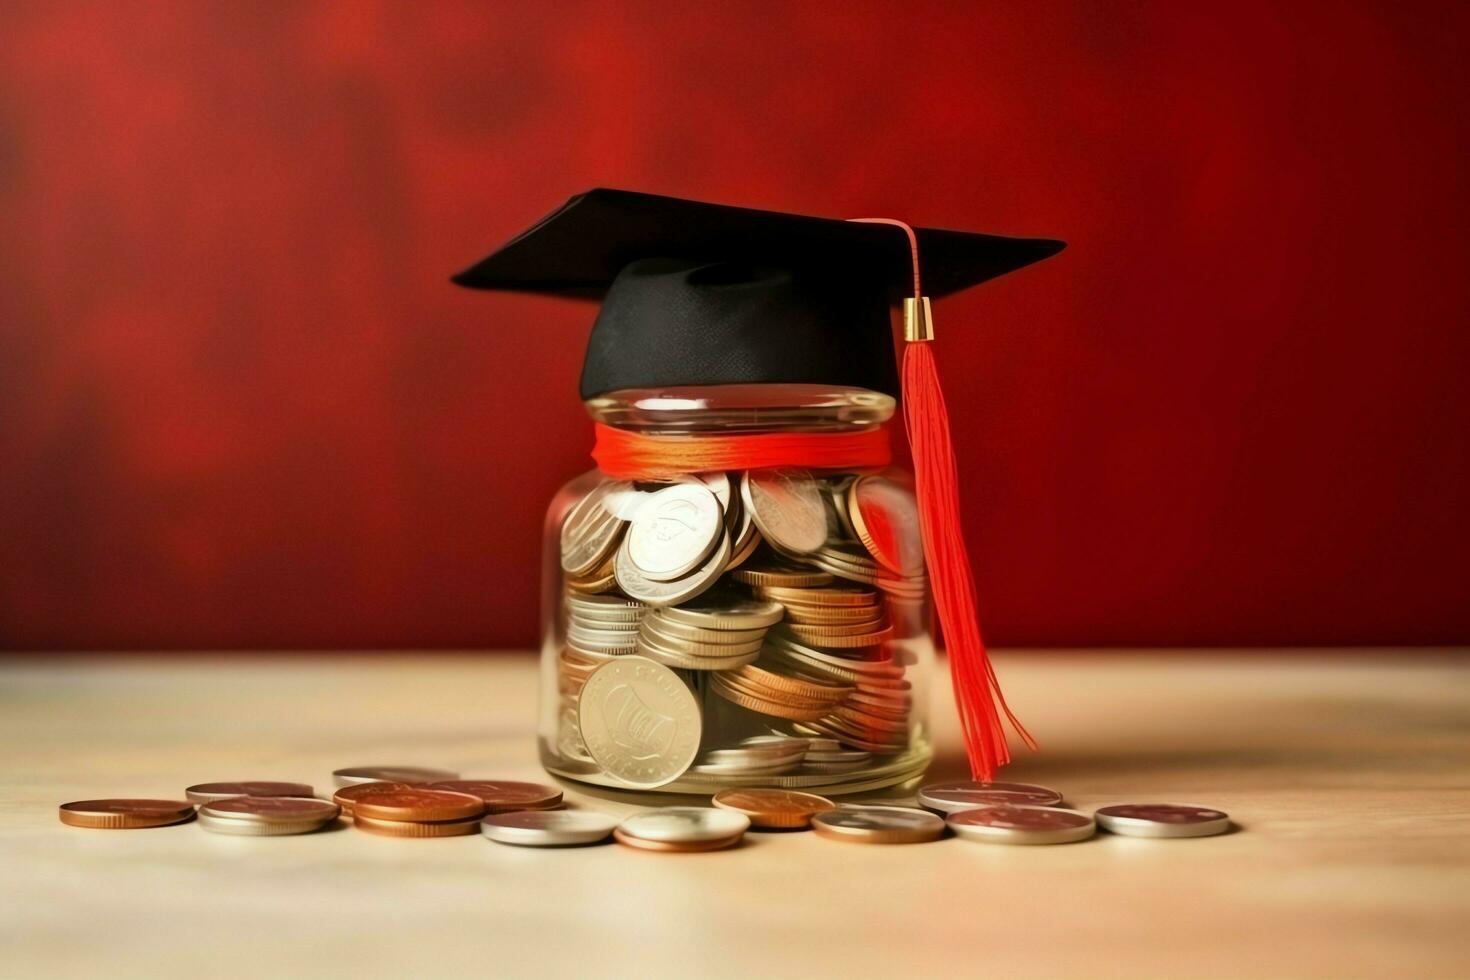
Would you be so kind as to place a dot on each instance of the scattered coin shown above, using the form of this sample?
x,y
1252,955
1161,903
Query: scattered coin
x,y
548,828
1162,820
683,828
124,814
959,795
346,796
207,792
1021,824
504,796
639,721
267,816
879,825
410,828
390,774
774,808
417,804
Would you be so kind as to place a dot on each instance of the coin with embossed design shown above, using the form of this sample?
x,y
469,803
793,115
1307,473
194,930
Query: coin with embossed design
x,y
674,531
787,508
640,723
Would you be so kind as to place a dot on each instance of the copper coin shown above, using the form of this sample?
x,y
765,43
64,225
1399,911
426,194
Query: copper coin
x,y
774,808
963,794
206,792
272,809
390,774
418,805
1163,820
347,796
411,828
503,796
879,825
675,847
124,814
1013,824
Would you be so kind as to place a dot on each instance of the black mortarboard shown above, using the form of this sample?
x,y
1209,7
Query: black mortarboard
x,y
704,294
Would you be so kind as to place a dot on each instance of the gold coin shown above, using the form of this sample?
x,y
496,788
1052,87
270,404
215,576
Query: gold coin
x,y
838,595
675,630
767,678
124,814
775,709
789,577
406,828
861,628
724,611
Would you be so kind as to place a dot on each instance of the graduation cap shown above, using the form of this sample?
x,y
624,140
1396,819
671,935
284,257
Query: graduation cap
x,y
707,294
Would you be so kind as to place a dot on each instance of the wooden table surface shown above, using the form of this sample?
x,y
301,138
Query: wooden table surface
x,y
1349,776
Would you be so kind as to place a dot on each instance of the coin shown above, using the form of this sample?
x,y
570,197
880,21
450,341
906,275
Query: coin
x,y
658,593
790,577
885,518
879,825
959,795
503,796
1019,824
346,796
205,792
124,814
271,809
409,828
685,824
774,808
724,611
639,721
548,828
390,774
256,828
1162,820
674,531
589,531
675,847
787,507
418,804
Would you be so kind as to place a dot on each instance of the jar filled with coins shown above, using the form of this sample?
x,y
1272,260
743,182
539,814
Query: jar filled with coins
x,y
761,627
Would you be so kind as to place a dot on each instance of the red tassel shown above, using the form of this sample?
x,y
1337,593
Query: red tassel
x,y
976,689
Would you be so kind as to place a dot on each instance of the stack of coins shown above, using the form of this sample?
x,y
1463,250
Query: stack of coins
x,y
502,795
683,829
719,633
602,626
267,816
760,755
417,812
209,792
548,828
827,755
779,695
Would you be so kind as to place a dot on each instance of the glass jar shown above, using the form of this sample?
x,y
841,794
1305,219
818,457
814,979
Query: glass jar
x,y
766,627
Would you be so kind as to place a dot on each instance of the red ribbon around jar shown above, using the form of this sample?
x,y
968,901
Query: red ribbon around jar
x,y
626,455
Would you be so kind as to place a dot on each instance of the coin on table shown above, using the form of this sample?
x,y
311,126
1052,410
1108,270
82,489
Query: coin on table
x,y
346,797
1162,820
548,828
252,828
390,774
417,804
207,792
124,814
683,828
962,794
640,722
271,809
503,796
1020,824
674,531
787,508
885,518
415,828
879,825
774,808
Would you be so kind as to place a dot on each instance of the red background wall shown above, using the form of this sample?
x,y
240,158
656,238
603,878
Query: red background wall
x,y
241,406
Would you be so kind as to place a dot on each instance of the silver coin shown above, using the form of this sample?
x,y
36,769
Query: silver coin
x,y
1020,824
963,794
1162,820
589,531
632,581
390,774
787,508
674,531
251,828
719,485
548,828
685,824
725,612
874,824
272,809
639,721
